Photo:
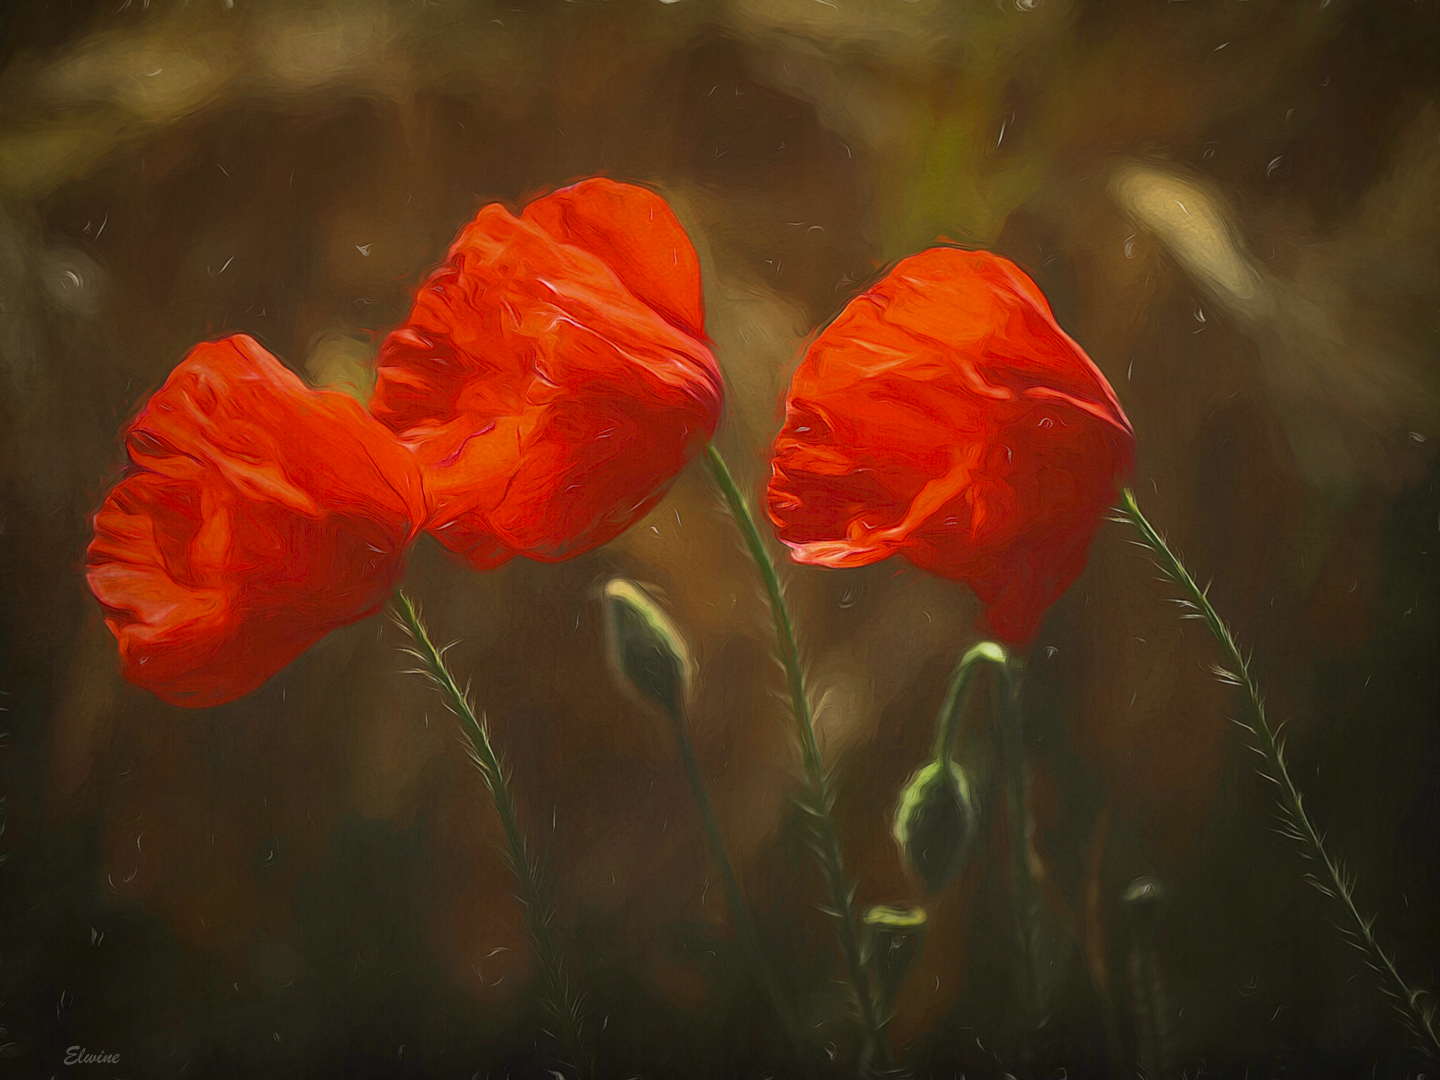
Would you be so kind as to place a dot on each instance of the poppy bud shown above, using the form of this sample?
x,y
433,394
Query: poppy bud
x,y
1143,898
935,822
647,652
892,941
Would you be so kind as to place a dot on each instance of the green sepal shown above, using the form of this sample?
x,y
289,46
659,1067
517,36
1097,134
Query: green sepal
x,y
648,654
935,823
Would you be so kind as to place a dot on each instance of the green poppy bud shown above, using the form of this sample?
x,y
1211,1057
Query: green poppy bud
x,y
647,653
892,941
935,823
1142,899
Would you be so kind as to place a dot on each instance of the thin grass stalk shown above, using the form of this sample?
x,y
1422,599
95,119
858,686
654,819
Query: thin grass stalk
x,y
563,1007
1328,876
818,800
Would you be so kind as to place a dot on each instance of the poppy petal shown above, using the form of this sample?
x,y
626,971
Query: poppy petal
x,y
256,516
634,232
552,377
945,416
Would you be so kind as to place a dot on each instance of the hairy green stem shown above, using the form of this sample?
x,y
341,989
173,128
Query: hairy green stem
x,y
744,926
819,798
564,1009
1328,875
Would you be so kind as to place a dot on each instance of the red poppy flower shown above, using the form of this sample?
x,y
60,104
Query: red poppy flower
x,y
553,376
946,417
256,516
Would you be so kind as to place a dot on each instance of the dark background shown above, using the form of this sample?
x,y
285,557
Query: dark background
x,y
306,882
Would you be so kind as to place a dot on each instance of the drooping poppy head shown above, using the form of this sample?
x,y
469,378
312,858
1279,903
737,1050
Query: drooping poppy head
x,y
256,515
553,376
946,417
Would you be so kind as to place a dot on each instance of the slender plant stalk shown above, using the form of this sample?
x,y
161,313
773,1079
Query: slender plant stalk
x,y
1022,882
739,910
564,1009
1328,876
819,799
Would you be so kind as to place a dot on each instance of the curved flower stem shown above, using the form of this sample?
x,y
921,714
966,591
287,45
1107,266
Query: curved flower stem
x,y
564,1009
1010,742
948,729
739,910
1328,875
818,797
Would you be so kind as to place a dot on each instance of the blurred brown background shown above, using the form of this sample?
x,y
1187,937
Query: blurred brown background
x,y
1232,206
